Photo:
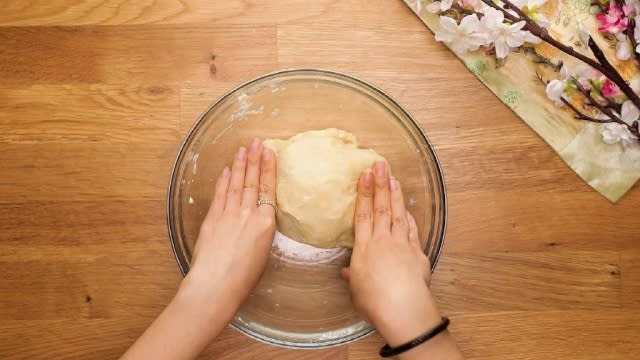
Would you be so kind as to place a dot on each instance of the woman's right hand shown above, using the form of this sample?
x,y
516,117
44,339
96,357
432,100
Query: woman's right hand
x,y
389,273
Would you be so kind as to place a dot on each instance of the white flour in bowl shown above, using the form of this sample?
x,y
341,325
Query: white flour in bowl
x,y
289,250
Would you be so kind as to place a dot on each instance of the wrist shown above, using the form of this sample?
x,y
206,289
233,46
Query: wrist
x,y
413,321
206,296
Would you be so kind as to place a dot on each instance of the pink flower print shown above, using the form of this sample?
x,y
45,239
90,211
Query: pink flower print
x,y
612,21
609,89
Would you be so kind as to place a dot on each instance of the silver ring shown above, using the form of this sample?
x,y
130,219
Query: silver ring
x,y
270,202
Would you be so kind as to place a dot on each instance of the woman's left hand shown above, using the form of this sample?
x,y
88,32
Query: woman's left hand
x,y
235,237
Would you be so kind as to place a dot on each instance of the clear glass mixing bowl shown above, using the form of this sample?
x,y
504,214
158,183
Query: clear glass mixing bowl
x,y
301,301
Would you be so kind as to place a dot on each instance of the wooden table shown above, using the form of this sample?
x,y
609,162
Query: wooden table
x,y
95,97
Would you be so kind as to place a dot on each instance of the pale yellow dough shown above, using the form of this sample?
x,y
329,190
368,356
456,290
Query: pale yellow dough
x,y
317,177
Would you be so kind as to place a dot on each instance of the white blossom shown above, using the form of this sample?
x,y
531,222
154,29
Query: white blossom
x,y
462,37
555,91
613,133
623,47
505,37
580,71
531,7
629,112
584,34
439,6
543,21
477,5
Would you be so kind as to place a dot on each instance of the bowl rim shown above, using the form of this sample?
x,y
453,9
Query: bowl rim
x,y
182,262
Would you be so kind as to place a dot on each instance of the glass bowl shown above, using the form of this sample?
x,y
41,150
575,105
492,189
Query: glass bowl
x,y
301,300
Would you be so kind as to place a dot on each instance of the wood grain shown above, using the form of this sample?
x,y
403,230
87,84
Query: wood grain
x,y
88,114
96,96
631,279
543,281
538,335
135,53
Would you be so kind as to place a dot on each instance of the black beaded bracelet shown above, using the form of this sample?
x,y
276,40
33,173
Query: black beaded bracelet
x,y
388,351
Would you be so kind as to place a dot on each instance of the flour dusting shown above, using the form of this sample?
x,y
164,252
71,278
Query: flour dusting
x,y
295,252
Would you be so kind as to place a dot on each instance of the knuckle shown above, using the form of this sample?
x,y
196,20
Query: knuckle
x,y
267,169
399,221
265,189
235,190
363,217
382,211
382,185
251,186
366,194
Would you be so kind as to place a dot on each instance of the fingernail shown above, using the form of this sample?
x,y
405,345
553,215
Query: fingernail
x,y
242,154
225,171
380,168
367,179
394,184
255,145
267,154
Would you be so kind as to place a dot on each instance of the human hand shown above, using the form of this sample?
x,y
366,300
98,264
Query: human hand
x,y
389,272
230,254
235,237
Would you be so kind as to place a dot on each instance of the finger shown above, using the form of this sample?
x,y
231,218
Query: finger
x,y
399,223
414,239
220,195
252,177
268,180
381,199
346,274
236,184
363,215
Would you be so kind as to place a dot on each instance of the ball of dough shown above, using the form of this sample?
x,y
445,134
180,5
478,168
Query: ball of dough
x,y
318,173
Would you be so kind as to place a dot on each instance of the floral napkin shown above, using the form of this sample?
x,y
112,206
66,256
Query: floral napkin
x,y
582,58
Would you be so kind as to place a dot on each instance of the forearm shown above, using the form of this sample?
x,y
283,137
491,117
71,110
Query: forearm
x,y
184,328
422,319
